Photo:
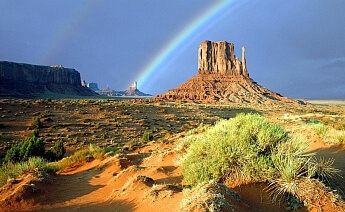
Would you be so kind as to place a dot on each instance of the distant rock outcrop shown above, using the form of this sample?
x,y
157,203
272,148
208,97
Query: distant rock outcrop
x,y
26,80
221,78
131,91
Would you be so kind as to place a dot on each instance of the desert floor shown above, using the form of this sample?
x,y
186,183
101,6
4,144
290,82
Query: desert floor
x,y
145,176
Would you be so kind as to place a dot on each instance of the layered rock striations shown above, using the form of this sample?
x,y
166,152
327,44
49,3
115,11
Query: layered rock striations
x,y
219,58
221,78
26,80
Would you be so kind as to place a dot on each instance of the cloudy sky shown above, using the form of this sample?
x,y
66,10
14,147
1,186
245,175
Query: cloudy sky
x,y
296,48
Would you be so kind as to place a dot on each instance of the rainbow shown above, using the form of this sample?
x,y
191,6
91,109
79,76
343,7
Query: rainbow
x,y
65,31
208,17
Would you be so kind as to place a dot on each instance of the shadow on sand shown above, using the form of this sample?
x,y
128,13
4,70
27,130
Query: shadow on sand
x,y
112,206
338,154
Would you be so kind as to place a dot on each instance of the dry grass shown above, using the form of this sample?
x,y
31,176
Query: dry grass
x,y
120,124
209,197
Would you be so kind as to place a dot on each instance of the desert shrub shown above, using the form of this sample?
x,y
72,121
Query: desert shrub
x,y
209,196
36,123
35,133
340,137
48,100
147,136
93,152
338,124
56,153
111,149
248,149
12,170
323,169
294,168
58,150
233,150
290,165
312,121
321,129
35,163
23,150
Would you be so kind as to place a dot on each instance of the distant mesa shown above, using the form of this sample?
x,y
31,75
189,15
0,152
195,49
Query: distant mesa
x,y
93,86
131,91
29,81
222,78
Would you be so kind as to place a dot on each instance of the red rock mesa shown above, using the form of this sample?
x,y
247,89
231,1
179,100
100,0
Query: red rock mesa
x,y
222,78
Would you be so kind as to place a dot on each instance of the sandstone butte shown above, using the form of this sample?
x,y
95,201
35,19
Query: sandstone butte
x,y
222,78
26,80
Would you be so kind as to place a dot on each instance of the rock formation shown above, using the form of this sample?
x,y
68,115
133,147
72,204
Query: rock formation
x,y
219,58
131,91
26,80
221,78
93,86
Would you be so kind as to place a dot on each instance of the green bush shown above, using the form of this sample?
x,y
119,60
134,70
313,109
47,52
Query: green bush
x,y
321,129
249,149
23,150
111,149
36,123
340,137
13,170
56,153
235,150
147,136
35,133
93,152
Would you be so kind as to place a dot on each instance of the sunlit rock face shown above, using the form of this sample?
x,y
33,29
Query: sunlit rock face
x,y
219,58
222,77
27,80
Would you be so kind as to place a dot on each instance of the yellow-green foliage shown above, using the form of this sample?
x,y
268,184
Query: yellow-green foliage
x,y
247,149
321,129
235,149
340,137
12,170
36,123
25,149
93,152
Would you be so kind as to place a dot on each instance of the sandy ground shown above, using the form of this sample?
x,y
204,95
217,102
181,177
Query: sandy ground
x,y
146,179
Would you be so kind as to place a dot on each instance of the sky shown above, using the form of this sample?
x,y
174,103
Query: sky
x,y
295,48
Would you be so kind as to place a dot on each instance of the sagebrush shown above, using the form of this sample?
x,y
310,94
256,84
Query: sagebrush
x,y
250,149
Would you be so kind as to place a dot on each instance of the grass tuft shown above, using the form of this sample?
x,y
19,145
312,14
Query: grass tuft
x,y
12,170
93,152
323,169
321,129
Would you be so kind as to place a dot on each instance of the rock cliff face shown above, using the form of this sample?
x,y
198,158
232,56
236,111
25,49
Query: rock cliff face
x,y
219,58
26,80
222,78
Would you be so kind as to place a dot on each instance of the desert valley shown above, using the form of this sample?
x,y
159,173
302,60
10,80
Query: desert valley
x,y
218,142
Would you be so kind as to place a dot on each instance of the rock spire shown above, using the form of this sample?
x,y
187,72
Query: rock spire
x,y
219,58
222,78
